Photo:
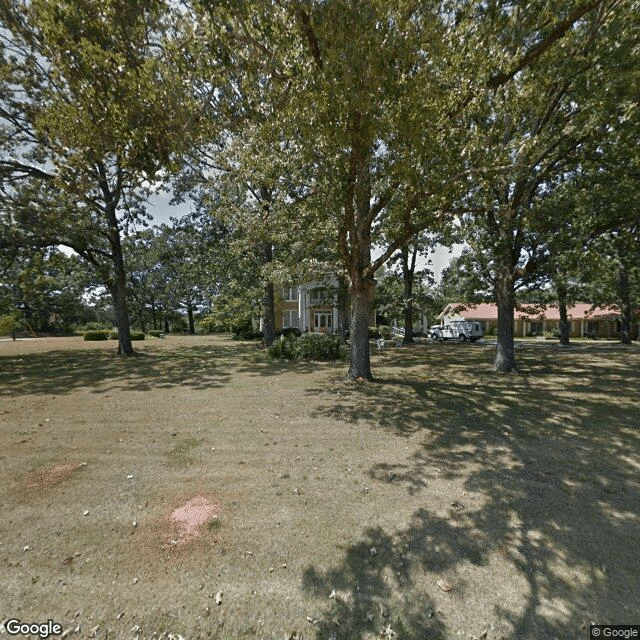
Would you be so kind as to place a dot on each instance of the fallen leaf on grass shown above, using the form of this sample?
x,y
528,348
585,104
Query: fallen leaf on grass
x,y
444,585
219,597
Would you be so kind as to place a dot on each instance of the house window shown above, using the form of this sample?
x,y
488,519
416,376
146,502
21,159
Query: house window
x,y
290,294
317,297
535,327
322,321
290,319
593,327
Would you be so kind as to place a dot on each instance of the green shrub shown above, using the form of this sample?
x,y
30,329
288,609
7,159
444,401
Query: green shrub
x,y
374,333
385,331
156,333
247,334
289,332
179,325
92,326
96,334
317,346
282,349
7,324
134,335
308,346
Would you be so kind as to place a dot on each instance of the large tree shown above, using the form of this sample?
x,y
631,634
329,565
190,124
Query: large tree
x,y
93,107
540,127
372,100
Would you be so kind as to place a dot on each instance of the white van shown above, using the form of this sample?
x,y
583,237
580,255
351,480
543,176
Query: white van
x,y
459,330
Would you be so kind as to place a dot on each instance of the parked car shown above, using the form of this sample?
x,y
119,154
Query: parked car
x,y
459,330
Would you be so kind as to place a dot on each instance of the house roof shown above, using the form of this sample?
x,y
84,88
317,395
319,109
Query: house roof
x,y
486,311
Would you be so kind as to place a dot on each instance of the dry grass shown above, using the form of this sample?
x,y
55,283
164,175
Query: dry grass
x,y
341,510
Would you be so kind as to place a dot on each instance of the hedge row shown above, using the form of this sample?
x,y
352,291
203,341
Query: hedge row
x,y
309,346
110,334
96,334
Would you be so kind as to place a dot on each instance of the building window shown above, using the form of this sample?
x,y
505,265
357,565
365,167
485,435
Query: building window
x,y
290,294
593,327
318,297
290,319
535,327
322,321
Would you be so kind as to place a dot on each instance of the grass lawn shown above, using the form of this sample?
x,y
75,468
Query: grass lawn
x,y
199,490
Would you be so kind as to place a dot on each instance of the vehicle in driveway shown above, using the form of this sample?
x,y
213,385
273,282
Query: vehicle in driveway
x,y
458,330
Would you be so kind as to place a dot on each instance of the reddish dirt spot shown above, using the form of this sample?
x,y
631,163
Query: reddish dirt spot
x,y
53,475
191,519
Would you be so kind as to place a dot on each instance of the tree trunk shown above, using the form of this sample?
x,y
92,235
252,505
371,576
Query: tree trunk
x,y
343,307
268,298
563,325
118,284
268,315
118,293
153,313
505,360
192,325
624,296
361,297
167,328
407,277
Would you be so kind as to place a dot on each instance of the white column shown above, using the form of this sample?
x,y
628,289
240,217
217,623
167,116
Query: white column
x,y
300,310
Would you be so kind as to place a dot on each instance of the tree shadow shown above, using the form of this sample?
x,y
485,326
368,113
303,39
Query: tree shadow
x,y
551,458
197,367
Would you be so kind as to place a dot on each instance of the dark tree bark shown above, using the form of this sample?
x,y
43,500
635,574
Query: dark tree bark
x,y
563,325
118,293
505,360
361,298
192,325
408,273
118,285
343,307
624,296
153,313
268,315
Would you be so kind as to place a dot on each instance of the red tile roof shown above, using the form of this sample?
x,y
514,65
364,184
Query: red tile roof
x,y
578,311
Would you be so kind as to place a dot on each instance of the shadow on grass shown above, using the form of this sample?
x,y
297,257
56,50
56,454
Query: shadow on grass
x,y
551,458
194,366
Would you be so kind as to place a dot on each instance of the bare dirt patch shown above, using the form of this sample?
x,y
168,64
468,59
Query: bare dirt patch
x,y
52,476
441,501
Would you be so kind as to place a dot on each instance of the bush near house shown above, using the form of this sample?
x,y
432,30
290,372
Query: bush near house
x,y
289,332
247,334
156,333
385,331
97,334
309,346
244,331
134,335
374,333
